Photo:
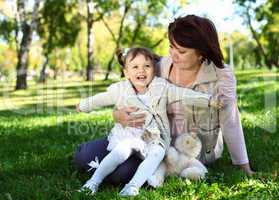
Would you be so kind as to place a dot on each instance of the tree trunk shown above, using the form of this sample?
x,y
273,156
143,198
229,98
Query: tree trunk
x,y
27,30
48,50
21,68
82,59
255,36
139,24
42,78
110,66
120,32
90,53
159,41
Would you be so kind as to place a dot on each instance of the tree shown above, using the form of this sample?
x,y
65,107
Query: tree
x,y
127,7
145,16
242,45
58,27
95,10
6,28
90,21
135,17
27,27
267,34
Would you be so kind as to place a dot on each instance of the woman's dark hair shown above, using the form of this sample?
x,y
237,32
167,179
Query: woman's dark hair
x,y
198,33
122,55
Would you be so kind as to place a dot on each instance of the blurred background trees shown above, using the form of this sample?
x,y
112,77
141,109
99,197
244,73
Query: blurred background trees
x,y
42,39
58,27
266,34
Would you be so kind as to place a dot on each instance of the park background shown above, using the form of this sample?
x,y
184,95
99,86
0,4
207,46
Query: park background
x,y
54,52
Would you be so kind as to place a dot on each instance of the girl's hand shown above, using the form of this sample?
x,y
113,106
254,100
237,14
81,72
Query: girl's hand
x,y
125,117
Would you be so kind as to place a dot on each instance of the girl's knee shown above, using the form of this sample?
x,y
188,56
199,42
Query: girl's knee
x,y
121,153
157,151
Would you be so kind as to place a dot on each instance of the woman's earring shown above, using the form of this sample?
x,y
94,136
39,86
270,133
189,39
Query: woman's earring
x,y
202,60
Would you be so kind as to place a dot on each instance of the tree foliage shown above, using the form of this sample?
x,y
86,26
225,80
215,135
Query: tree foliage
x,y
6,28
60,21
27,25
266,34
58,27
137,18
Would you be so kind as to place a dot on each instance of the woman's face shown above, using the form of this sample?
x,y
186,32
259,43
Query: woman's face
x,y
140,71
184,58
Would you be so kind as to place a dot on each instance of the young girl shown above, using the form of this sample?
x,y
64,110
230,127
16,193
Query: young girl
x,y
150,94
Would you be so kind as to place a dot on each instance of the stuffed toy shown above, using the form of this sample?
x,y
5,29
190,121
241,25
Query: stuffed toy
x,y
181,160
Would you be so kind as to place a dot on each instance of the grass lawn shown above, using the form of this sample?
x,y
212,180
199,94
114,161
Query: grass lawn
x,y
39,131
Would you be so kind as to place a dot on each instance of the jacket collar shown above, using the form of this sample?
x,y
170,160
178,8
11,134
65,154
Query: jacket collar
x,y
132,98
206,74
154,90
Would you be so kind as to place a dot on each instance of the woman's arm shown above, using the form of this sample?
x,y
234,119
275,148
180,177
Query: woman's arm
x,y
124,117
230,120
233,135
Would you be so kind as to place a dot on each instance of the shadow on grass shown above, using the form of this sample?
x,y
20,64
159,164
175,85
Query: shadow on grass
x,y
41,140
39,156
41,110
263,157
70,87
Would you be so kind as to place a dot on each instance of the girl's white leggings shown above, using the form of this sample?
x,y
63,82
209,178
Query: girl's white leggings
x,y
120,154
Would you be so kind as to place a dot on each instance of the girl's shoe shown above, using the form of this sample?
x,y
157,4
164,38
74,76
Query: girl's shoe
x,y
129,190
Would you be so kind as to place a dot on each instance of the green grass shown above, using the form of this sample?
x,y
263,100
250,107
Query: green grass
x,y
39,131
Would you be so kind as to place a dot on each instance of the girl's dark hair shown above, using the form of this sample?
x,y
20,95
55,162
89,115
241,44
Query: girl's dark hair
x,y
198,33
122,55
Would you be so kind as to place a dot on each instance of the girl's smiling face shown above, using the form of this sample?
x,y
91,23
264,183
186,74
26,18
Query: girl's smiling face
x,y
140,71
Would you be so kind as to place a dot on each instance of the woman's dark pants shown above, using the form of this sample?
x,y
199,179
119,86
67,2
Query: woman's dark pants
x,y
87,152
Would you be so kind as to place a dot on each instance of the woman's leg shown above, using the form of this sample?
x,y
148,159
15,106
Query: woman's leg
x,y
145,170
87,152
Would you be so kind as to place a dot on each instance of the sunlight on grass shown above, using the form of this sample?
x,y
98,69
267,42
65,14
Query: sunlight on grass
x,y
49,95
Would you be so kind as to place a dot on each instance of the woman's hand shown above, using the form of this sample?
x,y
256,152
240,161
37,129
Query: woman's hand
x,y
77,108
216,102
125,117
246,168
